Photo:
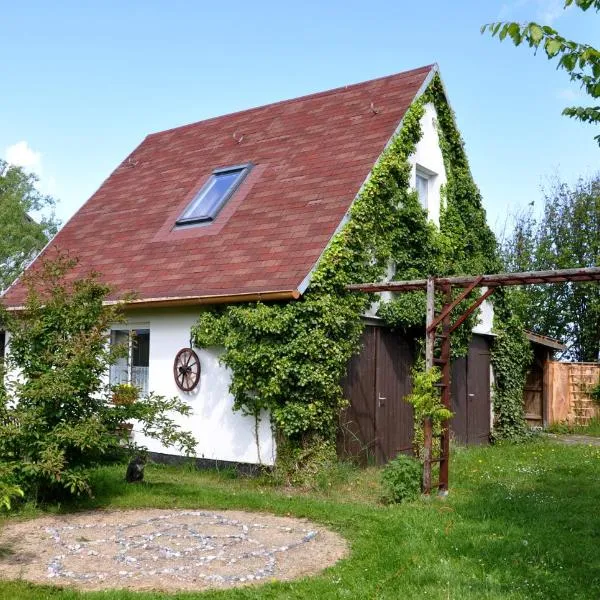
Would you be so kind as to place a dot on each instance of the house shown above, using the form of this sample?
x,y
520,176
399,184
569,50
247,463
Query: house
x,y
235,209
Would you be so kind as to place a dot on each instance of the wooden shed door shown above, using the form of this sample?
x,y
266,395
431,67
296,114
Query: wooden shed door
x,y
394,416
379,422
471,394
478,391
533,394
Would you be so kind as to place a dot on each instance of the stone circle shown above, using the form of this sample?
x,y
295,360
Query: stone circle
x,y
165,550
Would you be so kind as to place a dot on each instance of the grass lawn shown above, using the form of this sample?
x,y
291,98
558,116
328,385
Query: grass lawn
x,y
520,522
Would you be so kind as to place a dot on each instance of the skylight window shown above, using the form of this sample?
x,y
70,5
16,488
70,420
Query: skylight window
x,y
214,194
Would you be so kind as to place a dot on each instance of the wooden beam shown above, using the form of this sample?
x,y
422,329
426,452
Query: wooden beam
x,y
448,308
472,309
527,277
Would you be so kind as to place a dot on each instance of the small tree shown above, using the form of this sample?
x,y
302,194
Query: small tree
x,y
56,417
580,61
21,238
566,235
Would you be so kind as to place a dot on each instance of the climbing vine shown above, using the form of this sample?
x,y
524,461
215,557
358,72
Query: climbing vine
x,y
289,358
511,357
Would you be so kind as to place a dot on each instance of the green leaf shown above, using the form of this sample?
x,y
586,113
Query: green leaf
x,y
552,47
514,31
536,33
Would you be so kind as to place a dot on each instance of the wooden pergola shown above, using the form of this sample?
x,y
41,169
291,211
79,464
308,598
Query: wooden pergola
x,y
441,327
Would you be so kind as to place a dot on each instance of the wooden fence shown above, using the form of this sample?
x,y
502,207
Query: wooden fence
x,y
567,391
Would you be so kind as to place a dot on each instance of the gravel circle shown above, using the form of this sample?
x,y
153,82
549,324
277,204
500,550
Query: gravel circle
x,y
166,550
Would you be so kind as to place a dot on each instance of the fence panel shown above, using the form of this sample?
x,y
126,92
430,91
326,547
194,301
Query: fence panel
x,y
568,391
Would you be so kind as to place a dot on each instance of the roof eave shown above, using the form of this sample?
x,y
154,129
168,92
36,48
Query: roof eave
x,y
179,301
544,340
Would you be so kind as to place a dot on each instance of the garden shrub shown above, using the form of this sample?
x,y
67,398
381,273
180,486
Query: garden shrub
x,y
57,418
401,479
309,464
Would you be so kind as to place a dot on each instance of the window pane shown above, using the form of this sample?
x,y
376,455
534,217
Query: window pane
x,y
140,359
141,348
422,184
212,195
119,372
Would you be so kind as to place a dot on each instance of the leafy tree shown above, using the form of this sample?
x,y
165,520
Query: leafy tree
x,y
581,61
567,235
21,238
56,418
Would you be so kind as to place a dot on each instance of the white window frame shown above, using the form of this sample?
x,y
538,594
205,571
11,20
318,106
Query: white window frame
x,y
129,328
428,175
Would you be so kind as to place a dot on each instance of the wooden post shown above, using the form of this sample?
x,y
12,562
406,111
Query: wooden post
x,y
430,335
427,424
446,395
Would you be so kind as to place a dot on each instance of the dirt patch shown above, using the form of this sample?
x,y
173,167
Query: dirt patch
x,y
574,439
165,550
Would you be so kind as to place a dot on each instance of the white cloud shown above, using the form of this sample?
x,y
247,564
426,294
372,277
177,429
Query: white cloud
x,y
22,155
544,11
550,10
568,95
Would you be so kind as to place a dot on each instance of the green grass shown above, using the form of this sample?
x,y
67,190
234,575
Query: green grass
x,y
520,522
592,428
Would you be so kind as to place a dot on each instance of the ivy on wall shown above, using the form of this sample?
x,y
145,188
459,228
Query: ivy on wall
x,y
289,358
511,357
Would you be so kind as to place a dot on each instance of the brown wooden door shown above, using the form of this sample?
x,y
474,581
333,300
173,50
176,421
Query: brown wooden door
x,y
379,422
533,394
478,391
458,394
471,394
356,434
394,416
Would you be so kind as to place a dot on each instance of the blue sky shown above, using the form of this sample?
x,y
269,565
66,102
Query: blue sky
x,y
83,82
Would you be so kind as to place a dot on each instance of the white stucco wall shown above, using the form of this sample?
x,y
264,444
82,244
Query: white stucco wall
x,y
486,316
221,433
429,156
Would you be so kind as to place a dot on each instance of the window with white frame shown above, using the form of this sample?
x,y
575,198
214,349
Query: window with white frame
x,y
134,366
424,179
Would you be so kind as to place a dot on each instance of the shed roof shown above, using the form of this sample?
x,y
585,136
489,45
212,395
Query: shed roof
x,y
311,156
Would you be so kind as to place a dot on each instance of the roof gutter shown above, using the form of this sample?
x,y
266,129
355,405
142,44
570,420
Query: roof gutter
x,y
195,300
207,300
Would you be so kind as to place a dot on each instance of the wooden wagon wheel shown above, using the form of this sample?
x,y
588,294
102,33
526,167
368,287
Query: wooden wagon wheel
x,y
186,369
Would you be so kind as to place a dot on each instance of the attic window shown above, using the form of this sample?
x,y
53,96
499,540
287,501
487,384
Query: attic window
x,y
213,195
423,179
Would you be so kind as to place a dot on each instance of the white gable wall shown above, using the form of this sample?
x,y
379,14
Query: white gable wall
x,y
428,156
222,434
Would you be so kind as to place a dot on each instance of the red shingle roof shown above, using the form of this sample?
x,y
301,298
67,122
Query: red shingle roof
x,y
311,156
